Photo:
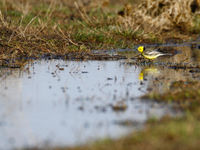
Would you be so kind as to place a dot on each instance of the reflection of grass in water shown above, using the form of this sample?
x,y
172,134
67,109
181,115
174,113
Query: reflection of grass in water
x,y
186,93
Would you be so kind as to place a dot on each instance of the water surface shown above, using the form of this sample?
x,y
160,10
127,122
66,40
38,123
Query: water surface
x,y
65,103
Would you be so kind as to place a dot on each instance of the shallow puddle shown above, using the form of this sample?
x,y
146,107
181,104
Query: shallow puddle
x,y
65,103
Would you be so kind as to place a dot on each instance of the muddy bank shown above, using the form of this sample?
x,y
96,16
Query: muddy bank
x,y
180,61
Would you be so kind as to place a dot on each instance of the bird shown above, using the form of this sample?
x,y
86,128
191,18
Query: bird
x,y
151,53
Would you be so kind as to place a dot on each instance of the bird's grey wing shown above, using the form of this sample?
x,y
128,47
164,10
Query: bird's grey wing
x,y
153,53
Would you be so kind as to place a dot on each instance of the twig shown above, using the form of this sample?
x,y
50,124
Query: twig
x,y
68,38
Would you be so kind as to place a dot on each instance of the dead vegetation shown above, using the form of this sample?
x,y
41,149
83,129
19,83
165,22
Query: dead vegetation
x,y
162,15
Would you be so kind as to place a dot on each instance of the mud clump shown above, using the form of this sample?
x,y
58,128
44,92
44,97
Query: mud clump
x,y
119,106
161,15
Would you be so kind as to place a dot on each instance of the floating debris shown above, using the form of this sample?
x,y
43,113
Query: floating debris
x,y
119,106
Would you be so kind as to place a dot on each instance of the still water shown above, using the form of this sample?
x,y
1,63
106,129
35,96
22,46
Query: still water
x,y
65,103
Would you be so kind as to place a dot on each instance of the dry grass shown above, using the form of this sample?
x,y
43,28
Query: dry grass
x,y
162,15
33,28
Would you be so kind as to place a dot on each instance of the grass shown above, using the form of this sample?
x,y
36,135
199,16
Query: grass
x,y
57,28
166,134
33,29
185,93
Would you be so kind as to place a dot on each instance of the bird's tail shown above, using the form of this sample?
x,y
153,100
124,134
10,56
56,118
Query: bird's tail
x,y
167,54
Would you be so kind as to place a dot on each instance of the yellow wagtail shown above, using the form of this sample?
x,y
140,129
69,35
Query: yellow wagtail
x,y
151,53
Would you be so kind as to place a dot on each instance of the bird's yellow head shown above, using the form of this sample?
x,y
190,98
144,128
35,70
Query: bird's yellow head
x,y
140,49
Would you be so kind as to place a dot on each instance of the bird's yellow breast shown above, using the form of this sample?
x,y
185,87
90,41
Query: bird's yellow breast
x,y
150,56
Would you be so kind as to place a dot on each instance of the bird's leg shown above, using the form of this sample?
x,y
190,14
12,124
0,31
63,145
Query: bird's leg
x,y
150,61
